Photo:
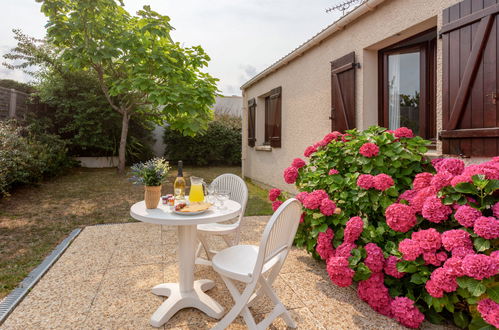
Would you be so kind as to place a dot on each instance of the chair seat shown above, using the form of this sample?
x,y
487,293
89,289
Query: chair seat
x,y
217,228
238,262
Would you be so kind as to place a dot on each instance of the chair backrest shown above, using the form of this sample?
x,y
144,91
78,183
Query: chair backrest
x,y
236,186
279,233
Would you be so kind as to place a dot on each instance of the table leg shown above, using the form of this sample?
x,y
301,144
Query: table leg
x,y
186,293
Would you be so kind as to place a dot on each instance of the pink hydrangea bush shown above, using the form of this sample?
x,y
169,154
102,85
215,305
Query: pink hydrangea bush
x,y
420,239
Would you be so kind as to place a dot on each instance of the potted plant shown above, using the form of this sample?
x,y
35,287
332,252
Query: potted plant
x,y
151,174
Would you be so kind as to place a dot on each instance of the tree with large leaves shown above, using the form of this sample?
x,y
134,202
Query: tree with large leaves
x,y
140,69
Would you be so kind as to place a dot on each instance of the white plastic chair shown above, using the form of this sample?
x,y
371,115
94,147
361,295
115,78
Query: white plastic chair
x,y
239,193
259,265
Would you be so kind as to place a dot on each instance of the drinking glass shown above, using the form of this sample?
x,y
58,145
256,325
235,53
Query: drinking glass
x,y
222,196
210,191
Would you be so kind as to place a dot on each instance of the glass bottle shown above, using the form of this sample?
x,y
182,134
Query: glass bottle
x,y
179,184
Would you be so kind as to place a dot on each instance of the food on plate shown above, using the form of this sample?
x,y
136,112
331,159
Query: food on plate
x,y
192,207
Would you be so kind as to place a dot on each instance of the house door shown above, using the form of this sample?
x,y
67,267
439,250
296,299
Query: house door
x,y
343,93
470,72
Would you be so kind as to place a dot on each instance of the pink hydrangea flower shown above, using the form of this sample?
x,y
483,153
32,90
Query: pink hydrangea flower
x,y
487,227
298,163
327,207
333,171
422,180
276,204
374,292
274,194
429,240
309,151
313,200
410,249
434,211
344,249
391,267
495,210
495,255
330,137
467,215
489,310
441,179
324,246
407,195
418,201
339,272
435,161
433,289
290,174
454,266
375,260
301,196
460,179
400,217
451,165
479,266
369,150
365,181
444,280
403,132
302,218
405,312
455,238
462,251
383,181
353,229
435,259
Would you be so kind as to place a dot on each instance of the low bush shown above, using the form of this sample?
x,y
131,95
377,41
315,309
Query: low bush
x,y
26,157
419,238
220,144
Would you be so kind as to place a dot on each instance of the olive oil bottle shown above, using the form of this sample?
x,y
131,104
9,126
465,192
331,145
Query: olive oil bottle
x,y
179,184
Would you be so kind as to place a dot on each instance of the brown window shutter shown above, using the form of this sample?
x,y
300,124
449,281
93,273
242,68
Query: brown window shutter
x,y
275,113
469,106
251,122
343,93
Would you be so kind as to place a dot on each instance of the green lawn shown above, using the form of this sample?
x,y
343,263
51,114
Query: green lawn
x,y
34,219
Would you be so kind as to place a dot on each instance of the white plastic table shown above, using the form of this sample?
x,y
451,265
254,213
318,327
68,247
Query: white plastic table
x,y
187,292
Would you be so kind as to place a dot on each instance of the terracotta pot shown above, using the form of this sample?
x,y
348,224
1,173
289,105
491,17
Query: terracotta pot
x,y
152,195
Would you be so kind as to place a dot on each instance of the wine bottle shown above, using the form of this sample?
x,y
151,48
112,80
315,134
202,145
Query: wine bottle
x,y
179,184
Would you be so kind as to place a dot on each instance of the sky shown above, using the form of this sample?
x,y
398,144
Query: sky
x,y
242,37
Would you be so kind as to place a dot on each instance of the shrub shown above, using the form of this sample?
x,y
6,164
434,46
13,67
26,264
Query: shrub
x,y
26,157
219,145
74,108
419,244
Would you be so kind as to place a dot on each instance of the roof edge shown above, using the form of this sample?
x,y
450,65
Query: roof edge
x,y
338,25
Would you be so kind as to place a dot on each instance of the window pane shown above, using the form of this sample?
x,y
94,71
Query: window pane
x,y
404,90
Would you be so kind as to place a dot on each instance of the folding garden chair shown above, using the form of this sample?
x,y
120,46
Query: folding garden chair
x,y
254,265
239,193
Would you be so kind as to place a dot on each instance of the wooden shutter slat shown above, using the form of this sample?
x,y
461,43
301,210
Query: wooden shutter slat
x,y
470,79
470,71
343,93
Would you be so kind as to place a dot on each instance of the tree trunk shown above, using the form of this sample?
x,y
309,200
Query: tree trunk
x,y
122,150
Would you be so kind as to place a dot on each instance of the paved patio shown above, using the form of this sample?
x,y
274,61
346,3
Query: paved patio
x,y
103,281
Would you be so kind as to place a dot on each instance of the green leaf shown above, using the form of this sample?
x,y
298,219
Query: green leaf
x,y
481,244
477,289
417,278
466,188
362,272
493,293
461,319
492,186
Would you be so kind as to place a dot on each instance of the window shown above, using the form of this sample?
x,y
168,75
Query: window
x,y
273,118
251,122
407,85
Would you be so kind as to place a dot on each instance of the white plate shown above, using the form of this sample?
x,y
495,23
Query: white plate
x,y
189,213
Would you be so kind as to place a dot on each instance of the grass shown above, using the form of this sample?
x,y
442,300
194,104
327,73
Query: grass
x,y
34,219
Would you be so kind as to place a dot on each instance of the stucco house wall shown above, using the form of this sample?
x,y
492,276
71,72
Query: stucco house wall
x,y
306,83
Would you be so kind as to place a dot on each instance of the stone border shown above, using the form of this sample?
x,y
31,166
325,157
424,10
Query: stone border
x,y
10,302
